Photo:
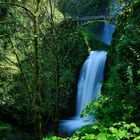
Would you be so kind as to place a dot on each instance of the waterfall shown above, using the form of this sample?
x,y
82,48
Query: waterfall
x,y
91,77
89,87
107,32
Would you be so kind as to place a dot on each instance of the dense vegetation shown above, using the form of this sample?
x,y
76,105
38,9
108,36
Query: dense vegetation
x,y
41,53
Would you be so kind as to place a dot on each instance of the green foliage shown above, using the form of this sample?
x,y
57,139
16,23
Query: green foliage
x,y
17,66
72,51
83,7
4,127
8,132
119,100
120,97
53,138
61,53
117,131
92,41
130,74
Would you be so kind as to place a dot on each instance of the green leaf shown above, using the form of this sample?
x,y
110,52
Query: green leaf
x,y
113,130
137,138
136,130
89,137
133,125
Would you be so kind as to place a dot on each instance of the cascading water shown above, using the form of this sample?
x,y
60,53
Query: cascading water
x,y
91,76
89,86
106,34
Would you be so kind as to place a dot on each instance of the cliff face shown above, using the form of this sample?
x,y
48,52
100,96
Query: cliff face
x,y
122,85
83,7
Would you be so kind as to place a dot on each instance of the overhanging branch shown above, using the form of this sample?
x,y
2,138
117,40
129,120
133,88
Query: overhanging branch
x,y
17,5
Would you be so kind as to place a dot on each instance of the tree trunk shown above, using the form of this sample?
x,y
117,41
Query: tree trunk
x,y
57,115
38,99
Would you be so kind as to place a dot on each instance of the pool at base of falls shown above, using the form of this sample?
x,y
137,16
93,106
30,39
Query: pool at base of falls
x,y
74,123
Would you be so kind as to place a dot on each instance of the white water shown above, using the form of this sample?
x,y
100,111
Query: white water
x,y
89,87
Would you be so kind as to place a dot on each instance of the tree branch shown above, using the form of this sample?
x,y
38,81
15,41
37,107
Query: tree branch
x,y
17,5
9,60
21,70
